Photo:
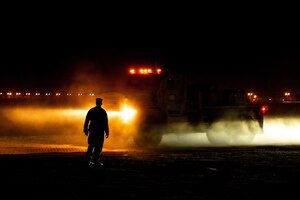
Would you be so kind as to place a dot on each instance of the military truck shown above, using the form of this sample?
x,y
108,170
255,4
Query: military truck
x,y
177,103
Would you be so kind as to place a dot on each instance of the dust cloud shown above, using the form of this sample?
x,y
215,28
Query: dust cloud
x,y
86,78
276,131
29,126
32,126
281,127
279,131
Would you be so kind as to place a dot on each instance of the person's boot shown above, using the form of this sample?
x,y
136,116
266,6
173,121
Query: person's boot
x,y
87,157
91,161
97,161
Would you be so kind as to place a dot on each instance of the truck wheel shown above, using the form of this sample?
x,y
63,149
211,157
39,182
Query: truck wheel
x,y
232,132
150,129
149,138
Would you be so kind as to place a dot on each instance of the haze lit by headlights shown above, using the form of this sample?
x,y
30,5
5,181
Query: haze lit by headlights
x,y
126,114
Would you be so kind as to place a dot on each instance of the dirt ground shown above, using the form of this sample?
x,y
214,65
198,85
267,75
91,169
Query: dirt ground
x,y
257,172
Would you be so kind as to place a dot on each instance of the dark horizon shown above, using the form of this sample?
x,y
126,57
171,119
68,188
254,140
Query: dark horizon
x,y
256,54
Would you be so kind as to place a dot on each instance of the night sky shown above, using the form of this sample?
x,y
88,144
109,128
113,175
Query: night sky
x,y
44,49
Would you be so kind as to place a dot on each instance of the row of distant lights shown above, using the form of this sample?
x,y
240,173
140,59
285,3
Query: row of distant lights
x,y
39,94
145,71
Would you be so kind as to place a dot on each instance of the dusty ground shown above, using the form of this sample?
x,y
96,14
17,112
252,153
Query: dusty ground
x,y
261,172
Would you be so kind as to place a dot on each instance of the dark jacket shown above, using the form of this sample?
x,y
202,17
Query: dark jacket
x,y
96,120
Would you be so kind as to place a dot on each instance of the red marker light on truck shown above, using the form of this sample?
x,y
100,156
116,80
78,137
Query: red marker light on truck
x,y
264,109
131,71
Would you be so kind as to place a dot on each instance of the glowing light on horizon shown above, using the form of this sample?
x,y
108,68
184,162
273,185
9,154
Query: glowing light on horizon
x,y
145,71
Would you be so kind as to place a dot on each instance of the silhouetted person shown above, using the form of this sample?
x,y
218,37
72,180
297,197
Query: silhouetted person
x,y
95,127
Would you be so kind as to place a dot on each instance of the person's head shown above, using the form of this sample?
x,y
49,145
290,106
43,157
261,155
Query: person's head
x,y
99,101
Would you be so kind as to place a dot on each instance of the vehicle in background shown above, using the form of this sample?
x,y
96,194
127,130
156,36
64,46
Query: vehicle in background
x,y
178,103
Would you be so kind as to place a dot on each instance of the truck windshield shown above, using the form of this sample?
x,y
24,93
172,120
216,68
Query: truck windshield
x,y
142,82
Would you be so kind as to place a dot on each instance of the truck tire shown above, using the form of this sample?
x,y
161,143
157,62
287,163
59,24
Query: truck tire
x,y
233,132
150,129
148,138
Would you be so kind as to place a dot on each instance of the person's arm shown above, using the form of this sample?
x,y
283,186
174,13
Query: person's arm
x,y
86,124
107,132
106,126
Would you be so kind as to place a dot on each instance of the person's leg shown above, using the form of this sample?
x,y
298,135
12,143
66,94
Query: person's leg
x,y
98,148
97,151
89,153
91,146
